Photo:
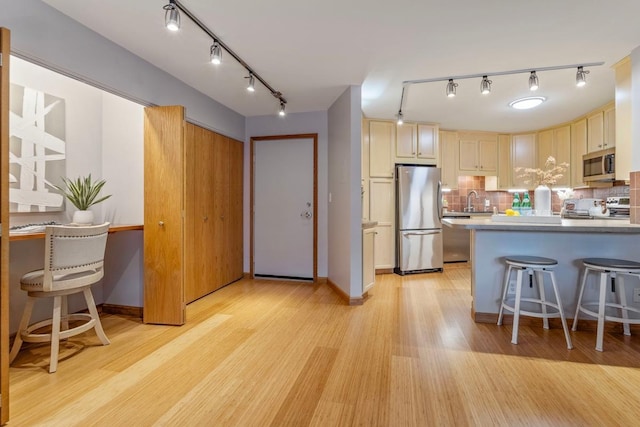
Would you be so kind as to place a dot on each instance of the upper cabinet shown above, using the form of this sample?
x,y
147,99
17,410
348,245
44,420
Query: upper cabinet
x,y
623,119
578,149
557,144
416,143
601,130
449,159
381,139
523,155
478,157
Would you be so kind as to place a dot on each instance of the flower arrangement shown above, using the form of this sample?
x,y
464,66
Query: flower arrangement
x,y
551,173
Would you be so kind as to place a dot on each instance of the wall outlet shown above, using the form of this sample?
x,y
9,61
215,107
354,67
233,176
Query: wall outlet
x,y
636,295
512,287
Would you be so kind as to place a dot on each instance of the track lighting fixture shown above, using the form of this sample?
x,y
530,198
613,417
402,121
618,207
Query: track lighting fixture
x,y
171,16
172,22
533,81
252,83
451,88
581,77
485,85
216,53
400,117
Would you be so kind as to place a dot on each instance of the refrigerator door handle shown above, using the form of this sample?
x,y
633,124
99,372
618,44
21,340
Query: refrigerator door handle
x,y
421,233
439,204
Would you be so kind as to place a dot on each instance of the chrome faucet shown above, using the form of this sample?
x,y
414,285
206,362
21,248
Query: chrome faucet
x,y
470,207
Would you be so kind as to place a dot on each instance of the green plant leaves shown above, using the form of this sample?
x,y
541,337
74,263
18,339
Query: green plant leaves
x,y
81,192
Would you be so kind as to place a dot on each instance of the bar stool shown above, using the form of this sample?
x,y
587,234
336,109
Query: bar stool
x,y
612,268
533,266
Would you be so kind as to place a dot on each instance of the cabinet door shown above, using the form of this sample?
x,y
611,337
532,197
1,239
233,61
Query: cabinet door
x,y
163,220
545,147
234,236
221,220
381,137
523,154
468,156
449,159
562,153
368,259
595,132
504,162
578,149
382,210
428,142
488,156
609,131
406,140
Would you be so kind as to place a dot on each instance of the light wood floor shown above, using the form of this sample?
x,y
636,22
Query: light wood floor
x,y
269,353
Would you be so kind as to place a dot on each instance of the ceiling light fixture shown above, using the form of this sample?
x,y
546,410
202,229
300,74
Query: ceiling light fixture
x,y
400,118
216,53
527,103
485,86
581,77
171,16
533,81
451,88
251,87
172,22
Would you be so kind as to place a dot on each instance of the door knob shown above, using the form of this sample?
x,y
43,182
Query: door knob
x,y
161,223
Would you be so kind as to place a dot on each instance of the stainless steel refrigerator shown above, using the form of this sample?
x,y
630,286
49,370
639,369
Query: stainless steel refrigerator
x,y
418,219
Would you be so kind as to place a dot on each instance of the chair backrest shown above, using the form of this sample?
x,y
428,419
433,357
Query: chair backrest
x,y
74,256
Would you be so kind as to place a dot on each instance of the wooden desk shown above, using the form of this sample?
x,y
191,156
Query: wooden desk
x,y
112,229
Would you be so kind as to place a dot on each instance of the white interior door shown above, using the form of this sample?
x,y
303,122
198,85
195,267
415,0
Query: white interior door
x,y
283,208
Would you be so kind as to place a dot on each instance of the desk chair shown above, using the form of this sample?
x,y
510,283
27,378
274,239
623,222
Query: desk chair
x,y
73,261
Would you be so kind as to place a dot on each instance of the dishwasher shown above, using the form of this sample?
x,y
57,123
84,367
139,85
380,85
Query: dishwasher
x,y
456,242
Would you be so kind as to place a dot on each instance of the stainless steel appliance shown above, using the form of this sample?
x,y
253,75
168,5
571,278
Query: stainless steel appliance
x,y
456,242
618,206
599,165
418,219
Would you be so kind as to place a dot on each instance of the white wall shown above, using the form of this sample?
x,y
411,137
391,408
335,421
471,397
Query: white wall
x,y
291,124
345,227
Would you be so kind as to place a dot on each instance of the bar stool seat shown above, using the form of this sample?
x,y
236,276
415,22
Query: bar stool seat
x,y
535,267
607,268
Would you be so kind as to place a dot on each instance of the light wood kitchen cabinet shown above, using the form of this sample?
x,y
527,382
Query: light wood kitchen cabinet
x,y
623,118
382,137
523,155
578,149
601,130
557,144
478,157
504,162
449,159
416,143
192,213
364,164
382,210
368,258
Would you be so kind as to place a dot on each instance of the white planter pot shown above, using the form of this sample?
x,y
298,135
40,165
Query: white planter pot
x,y
542,200
82,218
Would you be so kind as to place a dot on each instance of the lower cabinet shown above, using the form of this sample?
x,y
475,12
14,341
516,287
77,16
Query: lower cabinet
x,y
368,258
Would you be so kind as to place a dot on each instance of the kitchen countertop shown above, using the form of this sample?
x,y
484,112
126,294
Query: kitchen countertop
x,y
567,225
368,224
451,214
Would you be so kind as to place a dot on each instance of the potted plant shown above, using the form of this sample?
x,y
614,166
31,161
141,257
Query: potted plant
x,y
82,193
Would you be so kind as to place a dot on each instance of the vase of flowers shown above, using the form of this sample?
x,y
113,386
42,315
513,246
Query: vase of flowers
x,y
542,179
83,193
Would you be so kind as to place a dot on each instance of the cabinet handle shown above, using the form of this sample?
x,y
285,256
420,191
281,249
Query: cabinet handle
x,y
599,145
205,218
161,223
221,216
419,154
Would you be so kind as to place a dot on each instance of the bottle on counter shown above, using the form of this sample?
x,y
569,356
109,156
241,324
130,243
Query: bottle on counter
x,y
525,206
515,205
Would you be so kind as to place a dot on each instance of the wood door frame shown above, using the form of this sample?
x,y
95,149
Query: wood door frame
x,y
254,140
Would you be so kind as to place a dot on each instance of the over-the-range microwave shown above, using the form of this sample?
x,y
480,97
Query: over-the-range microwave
x,y
599,165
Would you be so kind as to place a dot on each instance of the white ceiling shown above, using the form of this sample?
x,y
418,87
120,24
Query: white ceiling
x,y
312,50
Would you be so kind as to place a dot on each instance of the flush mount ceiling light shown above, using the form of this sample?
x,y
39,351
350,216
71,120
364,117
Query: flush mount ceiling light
x,y
171,16
485,86
400,118
533,81
451,88
527,103
581,77
215,53
172,22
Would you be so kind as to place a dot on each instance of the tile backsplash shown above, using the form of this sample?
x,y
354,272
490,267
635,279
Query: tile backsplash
x,y
457,199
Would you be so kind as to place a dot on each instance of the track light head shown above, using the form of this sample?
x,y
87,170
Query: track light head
x,y
216,53
451,88
251,87
171,16
533,81
400,118
282,111
485,85
581,77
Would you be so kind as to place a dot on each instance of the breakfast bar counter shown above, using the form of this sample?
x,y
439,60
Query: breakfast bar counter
x,y
568,242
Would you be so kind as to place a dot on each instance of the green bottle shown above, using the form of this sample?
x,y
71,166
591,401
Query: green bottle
x,y
525,206
516,202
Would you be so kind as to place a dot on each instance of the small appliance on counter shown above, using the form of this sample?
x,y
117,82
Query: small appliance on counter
x,y
587,208
618,206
